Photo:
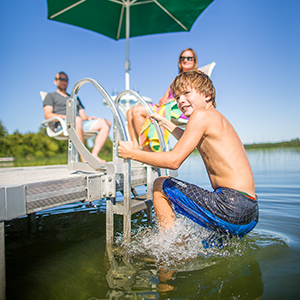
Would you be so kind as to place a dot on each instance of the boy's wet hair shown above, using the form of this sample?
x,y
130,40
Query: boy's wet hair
x,y
194,79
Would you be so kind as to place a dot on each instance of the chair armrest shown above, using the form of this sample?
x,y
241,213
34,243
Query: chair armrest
x,y
55,126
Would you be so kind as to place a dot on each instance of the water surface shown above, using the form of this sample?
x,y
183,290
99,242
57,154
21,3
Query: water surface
x,y
63,255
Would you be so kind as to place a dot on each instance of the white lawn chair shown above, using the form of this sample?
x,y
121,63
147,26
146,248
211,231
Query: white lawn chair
x,y
207,69
56,127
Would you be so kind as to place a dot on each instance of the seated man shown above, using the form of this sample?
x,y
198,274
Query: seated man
x,y
232,206
55,106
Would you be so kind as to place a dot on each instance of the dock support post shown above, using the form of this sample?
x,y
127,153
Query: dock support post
x,y
110,201
2,262
127,203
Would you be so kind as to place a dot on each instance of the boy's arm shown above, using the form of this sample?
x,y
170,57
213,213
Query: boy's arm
x,y
174,158
170,126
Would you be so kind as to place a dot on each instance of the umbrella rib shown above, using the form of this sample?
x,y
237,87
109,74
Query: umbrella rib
x,y
168,13
66,9
117,1
120,23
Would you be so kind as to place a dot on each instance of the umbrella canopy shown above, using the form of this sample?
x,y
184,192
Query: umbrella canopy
x,y
128,18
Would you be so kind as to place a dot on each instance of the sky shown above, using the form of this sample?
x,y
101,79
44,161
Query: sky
x,y
255,45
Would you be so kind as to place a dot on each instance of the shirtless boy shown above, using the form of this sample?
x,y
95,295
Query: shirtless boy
x,y
232,206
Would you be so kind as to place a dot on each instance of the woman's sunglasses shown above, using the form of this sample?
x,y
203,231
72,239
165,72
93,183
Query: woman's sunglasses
x,y
189,58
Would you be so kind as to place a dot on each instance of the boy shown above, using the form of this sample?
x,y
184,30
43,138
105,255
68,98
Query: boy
x,y
232,206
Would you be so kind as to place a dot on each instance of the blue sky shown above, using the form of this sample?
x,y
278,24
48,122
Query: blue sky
x,y
255,45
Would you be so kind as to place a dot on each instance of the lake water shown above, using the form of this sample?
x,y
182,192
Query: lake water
x,y
64,257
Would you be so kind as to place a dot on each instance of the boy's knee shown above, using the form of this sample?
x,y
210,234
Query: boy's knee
x,y
158,183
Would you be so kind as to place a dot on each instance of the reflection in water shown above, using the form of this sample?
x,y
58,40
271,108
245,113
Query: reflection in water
x,y
229,272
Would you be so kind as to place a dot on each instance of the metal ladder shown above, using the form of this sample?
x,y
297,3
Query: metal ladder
x,y
120,174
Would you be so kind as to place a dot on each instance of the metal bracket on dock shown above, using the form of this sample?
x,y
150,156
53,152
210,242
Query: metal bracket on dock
x,y
108,186
93,187
16,206
99,187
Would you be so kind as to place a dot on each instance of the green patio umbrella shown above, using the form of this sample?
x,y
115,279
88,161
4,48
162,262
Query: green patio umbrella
x,y
120,19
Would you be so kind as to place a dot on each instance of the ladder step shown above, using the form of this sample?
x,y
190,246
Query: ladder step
x,y
137,204
138,178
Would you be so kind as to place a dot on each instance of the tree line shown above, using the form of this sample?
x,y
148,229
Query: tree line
x,y
287,144
35,144
41,145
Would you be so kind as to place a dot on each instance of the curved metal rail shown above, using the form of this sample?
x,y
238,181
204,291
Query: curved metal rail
x,y
76,142
111,167
149,111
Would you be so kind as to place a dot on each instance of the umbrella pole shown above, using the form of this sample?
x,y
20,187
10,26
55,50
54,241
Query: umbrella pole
x,y
127,62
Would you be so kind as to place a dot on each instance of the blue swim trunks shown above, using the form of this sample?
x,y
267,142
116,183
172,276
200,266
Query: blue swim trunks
x,y
223,210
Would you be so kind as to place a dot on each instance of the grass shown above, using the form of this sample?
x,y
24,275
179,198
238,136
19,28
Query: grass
x,y
59,159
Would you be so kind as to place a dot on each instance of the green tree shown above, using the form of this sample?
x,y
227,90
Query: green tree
x,y
39,145
3,136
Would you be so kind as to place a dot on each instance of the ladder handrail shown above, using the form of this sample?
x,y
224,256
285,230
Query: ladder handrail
x,y
75,144
149,111
140,99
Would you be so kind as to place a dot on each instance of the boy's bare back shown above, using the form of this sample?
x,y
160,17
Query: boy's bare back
x,y
222,151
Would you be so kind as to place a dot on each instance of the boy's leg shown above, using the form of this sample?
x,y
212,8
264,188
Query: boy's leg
x,y
162,206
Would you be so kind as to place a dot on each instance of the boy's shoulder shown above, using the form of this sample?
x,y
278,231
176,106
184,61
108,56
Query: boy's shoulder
x,y
201,113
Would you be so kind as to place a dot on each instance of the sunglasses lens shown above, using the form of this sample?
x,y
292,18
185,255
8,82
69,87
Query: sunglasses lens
x,y
189,58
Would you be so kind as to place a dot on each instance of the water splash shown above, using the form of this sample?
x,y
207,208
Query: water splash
x,y
185,241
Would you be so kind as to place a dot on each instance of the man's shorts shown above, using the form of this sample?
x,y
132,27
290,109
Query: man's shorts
x,y
86,125
223,210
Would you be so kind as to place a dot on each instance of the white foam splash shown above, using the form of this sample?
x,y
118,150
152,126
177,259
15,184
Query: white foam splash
x,y
184,241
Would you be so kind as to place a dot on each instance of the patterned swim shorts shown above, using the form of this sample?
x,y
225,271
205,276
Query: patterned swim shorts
x,y
224,210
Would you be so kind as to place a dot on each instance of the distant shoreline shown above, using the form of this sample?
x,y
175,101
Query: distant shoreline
x,y
288,144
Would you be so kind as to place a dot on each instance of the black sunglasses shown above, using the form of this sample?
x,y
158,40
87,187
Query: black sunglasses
x,y
62,79
189,58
